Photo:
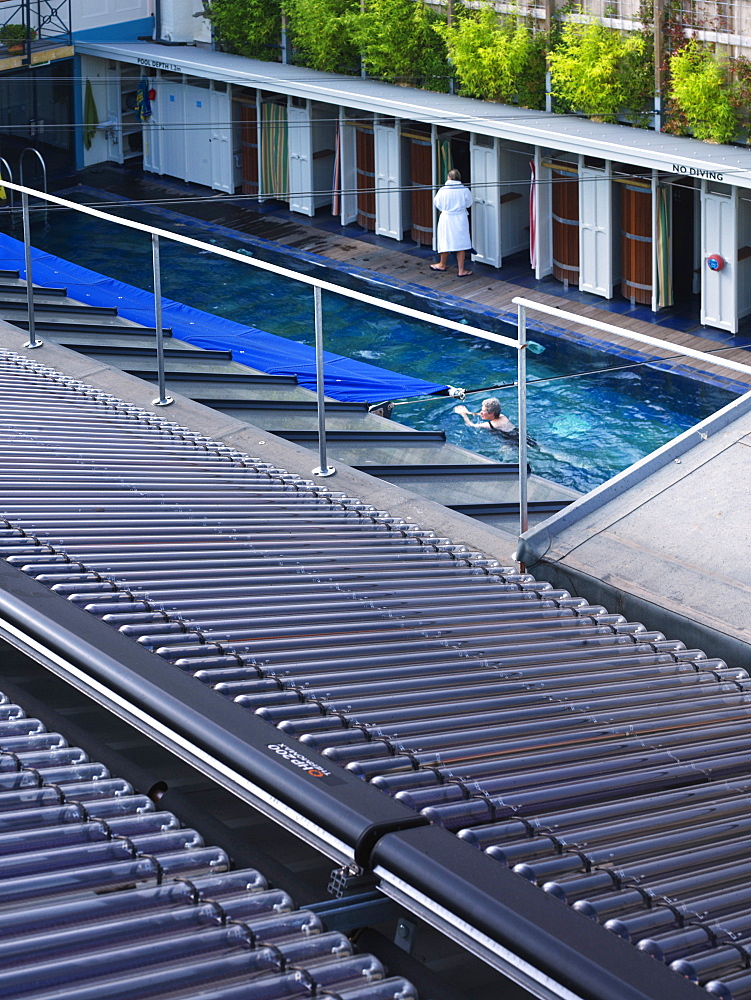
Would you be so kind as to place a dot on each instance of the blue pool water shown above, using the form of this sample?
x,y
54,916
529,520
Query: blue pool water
x,y
587,429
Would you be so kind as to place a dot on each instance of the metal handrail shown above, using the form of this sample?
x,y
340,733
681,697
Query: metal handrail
x,y
42,193
48,18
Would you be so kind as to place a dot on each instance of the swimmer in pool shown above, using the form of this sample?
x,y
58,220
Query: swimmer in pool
x,y
492,419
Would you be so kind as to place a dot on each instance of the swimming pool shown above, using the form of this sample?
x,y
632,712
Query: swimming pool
x,y
587,429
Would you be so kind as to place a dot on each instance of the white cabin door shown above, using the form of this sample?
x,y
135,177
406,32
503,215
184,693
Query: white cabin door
x,y
152,140
719,297
390,219
300,158
171,112
222,166
542,257
198,135
486,205
347,172
596,231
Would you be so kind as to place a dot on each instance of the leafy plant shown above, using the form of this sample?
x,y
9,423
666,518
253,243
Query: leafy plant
x,y
398,43
700,91
14,33
246,27
497,59
637,75
321,33
600,72
740,97
673,40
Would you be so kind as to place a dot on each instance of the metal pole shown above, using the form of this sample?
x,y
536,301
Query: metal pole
x,y
521,376
164,399
549,15
286,42
323,469
659,55
32,341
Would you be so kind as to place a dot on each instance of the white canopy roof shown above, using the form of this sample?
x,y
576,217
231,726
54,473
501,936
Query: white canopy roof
x,y
635,146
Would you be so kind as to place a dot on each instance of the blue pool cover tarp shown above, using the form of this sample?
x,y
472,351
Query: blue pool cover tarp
x,y
345,379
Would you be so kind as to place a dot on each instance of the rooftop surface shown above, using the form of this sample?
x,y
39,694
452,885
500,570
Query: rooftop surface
x,y
669,539
632,728
174,556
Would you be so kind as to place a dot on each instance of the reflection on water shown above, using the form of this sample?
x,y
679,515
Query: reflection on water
x,y
587,429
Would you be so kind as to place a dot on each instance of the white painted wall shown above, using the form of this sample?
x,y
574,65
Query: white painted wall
x,y
179,23
86,14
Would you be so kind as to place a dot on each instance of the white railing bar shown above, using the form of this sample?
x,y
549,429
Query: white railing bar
x,y
274,268
642,338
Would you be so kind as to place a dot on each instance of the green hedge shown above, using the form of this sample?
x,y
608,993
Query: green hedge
x,y
601,72
497,58
595,70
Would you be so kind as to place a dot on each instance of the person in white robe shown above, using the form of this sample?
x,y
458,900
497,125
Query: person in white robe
x,y
452,201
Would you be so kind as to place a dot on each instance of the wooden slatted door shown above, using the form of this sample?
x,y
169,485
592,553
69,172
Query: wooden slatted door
x,y
249,147
636,243
366,214
565,225
421,195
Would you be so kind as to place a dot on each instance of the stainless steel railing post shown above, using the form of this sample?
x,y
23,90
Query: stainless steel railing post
x,y
164,399
521,376
323,468
32,341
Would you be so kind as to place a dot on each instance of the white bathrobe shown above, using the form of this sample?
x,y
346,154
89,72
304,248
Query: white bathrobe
x,y
452,201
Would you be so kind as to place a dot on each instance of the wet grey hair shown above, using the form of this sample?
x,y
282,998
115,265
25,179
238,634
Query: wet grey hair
x,y
492,406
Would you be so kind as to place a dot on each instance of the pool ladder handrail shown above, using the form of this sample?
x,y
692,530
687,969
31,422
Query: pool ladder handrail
x,y
32,149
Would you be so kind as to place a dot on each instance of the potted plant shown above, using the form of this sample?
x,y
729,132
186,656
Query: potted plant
x,y
13,36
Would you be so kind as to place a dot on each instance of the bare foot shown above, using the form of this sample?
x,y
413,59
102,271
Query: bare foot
x,y
463,274
437,267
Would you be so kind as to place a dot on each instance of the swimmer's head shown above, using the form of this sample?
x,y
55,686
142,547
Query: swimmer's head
x,y
492,406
